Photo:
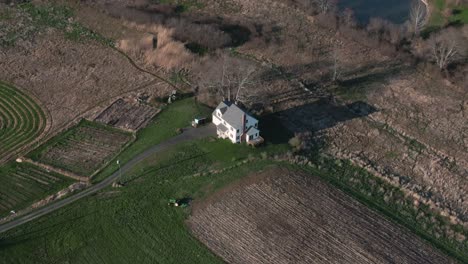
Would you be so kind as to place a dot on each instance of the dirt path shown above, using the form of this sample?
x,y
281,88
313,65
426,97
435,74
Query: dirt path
x,y
189,135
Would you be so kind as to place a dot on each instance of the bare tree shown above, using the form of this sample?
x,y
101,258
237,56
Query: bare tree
x,y
229,78
445,48
336,66
325,6
418,17
348,18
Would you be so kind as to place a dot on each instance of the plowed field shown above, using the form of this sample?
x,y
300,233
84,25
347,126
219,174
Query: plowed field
x,y
282,216
83,149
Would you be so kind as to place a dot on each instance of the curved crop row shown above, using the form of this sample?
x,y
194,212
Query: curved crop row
x,y
21,120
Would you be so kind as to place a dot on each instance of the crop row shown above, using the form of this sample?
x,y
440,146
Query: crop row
x,y
23,184
22,120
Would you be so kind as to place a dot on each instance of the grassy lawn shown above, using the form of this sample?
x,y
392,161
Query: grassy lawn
x,y
459,14
134,223
23,184
164,126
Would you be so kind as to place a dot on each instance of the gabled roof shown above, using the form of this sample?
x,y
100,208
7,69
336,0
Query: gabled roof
x,y
252,131
222,128
232,114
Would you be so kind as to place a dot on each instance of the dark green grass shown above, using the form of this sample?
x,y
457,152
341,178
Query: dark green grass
x,y
459,14
134,224
23,118
164,126
24,184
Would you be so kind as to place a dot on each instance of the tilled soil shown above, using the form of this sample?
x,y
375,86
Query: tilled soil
x,y
86,150
127,115
282,216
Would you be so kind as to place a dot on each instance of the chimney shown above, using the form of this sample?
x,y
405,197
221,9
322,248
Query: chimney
x,y
243,126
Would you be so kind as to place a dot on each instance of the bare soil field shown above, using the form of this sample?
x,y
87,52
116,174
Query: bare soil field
x,y
282,216
127,115
83,149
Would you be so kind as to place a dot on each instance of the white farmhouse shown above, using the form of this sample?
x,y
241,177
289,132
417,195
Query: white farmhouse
x,y
236,124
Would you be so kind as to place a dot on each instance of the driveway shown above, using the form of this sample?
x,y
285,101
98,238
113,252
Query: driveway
x,y
189,134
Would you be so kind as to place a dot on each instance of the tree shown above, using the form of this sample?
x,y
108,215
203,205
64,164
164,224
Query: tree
x,y
230,78
336,67
418,17
445,48
348,18
325,6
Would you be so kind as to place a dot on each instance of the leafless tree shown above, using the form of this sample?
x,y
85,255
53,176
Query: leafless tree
x,y
445,48
418,17
229,78
348,18
336,66
325,6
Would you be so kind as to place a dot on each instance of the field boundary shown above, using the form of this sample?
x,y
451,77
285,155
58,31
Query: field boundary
x,y
56,170
33,156
122,149
76,186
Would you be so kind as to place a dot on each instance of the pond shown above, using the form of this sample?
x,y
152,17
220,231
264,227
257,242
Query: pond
x,y
396,11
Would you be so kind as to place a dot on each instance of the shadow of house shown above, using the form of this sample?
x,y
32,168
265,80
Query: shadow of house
x,y
313,117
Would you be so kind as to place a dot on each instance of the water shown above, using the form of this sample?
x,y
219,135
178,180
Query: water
x,y
396,11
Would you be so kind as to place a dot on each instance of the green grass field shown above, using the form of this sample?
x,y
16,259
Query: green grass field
x,y
457,15
21,120
164,126
134,223
23,184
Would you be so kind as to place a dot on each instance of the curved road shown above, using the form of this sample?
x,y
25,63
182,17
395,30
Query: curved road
x,y
188,135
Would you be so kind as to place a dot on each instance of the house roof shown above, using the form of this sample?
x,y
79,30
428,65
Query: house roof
x,y
222,128
232,114
252,131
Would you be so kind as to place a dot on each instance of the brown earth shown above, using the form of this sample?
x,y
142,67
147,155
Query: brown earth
x,y
418,131
283,216
71,78
85,150
127,114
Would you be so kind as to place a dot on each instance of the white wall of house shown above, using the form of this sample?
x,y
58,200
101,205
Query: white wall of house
x,y
233,134
216,120
250,121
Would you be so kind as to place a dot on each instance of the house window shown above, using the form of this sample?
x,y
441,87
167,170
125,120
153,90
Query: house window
x,y
237,130
246,121
232,128
256,134
256,125
238,137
